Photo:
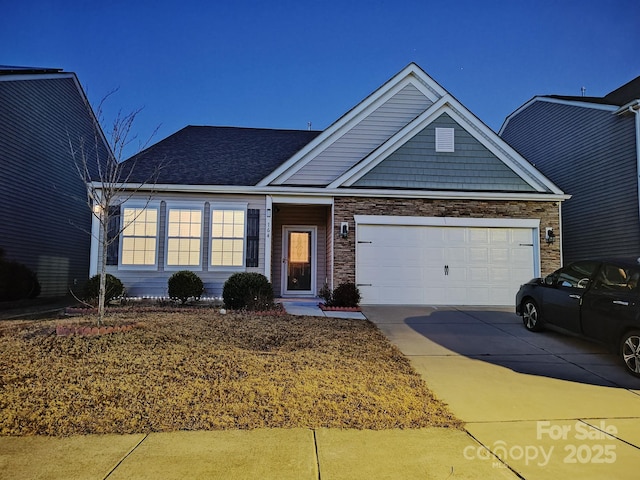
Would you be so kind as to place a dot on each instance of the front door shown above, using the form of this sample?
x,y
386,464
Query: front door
x,y
298,263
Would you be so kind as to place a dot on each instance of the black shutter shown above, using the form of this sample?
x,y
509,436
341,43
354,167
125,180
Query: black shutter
x,y
113,236
253,237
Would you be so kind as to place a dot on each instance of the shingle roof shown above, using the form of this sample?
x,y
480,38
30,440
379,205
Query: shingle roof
x,y
619,97
200,155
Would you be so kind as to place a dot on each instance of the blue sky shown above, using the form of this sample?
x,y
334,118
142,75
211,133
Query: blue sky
x,y
282,64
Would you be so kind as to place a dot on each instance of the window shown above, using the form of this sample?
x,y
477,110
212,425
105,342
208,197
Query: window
x,y
139,236
184,237
227,238
445,140
576,275
615,279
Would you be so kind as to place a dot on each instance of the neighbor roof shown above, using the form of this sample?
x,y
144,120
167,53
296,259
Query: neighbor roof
x,y
619,97
201,155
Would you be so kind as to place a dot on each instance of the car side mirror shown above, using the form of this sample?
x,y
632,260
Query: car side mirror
x,y
549,280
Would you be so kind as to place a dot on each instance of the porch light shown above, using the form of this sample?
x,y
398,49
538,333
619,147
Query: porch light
x,y
344,229
550,237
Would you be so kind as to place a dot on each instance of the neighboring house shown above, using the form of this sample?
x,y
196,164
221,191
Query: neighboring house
x,y
588,146
45,222
407,194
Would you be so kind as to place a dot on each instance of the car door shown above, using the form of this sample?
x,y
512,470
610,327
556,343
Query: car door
x,y
563,294
610,303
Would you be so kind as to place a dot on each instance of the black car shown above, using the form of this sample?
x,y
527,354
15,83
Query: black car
x,y
596,299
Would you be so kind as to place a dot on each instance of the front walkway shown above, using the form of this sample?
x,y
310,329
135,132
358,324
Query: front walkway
x,y
309,307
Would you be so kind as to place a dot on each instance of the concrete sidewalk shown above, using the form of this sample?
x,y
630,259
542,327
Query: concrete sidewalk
x,y
310,308
297,454
549,405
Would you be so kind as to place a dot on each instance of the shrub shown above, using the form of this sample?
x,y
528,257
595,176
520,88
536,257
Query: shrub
x,y
17,281
113,288
184,285
345,295
325,293
248,290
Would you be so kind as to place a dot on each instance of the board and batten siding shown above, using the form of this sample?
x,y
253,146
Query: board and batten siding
x,y
361,139
153,283
300,215
590,154
43,216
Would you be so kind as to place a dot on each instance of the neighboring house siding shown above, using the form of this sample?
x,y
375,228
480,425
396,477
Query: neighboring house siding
x,y
153,283
44,217
346,207
417,165
362,139
590,154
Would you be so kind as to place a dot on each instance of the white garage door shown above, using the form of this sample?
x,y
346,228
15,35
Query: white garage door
x,y
433,265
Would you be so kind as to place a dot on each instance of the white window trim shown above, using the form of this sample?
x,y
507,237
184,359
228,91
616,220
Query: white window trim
x,y
138,204
177,205
228,206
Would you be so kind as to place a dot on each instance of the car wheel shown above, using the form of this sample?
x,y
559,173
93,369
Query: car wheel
x,y
531,316
630,352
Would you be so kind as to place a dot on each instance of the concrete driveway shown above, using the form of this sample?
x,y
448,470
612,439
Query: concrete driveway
x,y
546,405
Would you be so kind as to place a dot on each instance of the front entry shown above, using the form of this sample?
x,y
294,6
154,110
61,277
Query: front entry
x,y
298,262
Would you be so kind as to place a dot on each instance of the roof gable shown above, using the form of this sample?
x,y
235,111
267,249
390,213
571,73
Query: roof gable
x,y
361,130
484,148
417,165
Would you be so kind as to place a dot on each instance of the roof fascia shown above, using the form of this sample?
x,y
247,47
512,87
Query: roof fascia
x,y
342,192
542,98
36,76
487,137
412,74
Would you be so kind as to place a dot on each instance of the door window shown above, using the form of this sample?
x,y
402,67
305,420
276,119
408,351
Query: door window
x,y
576,275
613,278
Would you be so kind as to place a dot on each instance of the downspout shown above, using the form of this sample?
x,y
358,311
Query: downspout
x,y
633,107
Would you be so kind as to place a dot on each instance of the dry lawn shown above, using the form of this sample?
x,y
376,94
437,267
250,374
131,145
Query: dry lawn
x,y
200,370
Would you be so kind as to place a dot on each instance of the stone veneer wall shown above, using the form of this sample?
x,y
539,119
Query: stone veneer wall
x,y
346,207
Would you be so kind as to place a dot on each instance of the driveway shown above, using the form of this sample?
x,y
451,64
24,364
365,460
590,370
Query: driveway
x,y
548,405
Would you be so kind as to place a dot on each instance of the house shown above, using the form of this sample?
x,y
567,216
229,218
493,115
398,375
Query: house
x,y
45,221
407,194
589,147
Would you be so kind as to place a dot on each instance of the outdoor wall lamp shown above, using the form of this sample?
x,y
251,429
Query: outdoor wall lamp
x,y
550,237
344,229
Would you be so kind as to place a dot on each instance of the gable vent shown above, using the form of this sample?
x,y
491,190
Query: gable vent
x,y
445,140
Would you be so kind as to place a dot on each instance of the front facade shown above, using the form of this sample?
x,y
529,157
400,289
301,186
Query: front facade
x,y
588,146
408,195
44,217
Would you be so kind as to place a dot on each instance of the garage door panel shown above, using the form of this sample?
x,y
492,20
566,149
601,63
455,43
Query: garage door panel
x,y
406,264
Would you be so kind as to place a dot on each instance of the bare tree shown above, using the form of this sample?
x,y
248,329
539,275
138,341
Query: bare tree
x,y
109,180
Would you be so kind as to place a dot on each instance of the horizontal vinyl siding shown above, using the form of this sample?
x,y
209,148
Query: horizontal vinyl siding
x,y
417,165
146,283
590,154
363,138
43,212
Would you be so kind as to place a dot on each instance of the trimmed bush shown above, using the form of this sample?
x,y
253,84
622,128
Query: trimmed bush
x,y
248,290
345,295
17,281
184,285
113,288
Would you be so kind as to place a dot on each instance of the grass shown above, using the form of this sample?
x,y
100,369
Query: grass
x,y
201,370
